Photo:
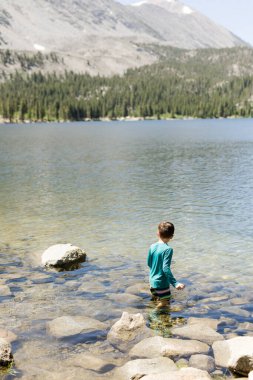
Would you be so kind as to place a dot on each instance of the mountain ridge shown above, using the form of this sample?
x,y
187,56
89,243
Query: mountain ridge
x,y
104,37
187,26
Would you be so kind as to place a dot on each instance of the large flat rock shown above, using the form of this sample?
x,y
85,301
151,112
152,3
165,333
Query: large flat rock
x,y
212,323
67,326
183,374
158,346
144,367
196,331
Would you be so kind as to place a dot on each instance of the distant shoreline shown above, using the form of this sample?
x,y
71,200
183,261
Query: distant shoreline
x,y
105,119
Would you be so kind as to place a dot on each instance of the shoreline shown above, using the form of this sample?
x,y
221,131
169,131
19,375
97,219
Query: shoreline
x,y
122,119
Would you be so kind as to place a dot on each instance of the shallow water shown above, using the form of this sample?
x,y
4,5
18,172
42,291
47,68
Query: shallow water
x,y
105,187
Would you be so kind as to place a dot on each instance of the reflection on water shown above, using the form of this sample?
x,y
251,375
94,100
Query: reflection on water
x,y
162,320
105,187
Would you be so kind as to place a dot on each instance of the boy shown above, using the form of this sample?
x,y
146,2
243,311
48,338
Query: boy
x,y
159,260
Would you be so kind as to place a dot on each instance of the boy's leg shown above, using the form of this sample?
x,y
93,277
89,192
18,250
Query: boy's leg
x,y
163,303
163,297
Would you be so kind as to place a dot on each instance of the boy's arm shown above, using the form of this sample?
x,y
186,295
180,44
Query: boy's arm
x,y
166,267
149,258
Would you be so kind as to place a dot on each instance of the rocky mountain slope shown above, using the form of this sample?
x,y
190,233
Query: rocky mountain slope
x,y
181,26
104,36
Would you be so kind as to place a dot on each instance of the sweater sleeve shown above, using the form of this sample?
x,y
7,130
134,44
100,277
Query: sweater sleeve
x,y
149,258
166,266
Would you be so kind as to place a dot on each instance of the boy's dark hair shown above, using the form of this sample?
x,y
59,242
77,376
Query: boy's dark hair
x,y
166,230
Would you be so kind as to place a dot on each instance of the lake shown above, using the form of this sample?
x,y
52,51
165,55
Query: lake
x,y
105,186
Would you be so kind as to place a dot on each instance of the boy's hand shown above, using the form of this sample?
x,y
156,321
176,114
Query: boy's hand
x,y
180,286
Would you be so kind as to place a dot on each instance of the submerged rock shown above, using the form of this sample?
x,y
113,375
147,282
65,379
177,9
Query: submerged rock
x,y
182,363
236,310
246,326
158,346
131,328
6,356
7,335
63,256
5,291
70,373
235,354
123,298
87,361
196,331
67,326
139,289
212,323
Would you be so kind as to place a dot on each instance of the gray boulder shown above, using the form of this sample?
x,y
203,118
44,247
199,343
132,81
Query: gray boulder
x,y
158,346
67,326
135,369
204,362
235,354
131,328
6,356
196,331
183,374
62,256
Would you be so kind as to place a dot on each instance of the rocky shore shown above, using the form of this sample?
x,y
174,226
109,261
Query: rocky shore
x,y
130,345
196,350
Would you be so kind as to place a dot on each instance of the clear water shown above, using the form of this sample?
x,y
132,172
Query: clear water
x,y
105,187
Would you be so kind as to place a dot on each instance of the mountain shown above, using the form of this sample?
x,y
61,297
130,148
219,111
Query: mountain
x,y
181,26
104,36
95,36
56,24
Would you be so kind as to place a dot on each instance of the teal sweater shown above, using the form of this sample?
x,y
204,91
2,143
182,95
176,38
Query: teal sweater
x,y
159,260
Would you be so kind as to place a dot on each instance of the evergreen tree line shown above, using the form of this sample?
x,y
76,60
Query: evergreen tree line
x,y
154,91
27,61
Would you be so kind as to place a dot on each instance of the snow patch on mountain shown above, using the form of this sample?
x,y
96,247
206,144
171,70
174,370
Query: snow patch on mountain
x,y
187,10
154,2
39,47
139,4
